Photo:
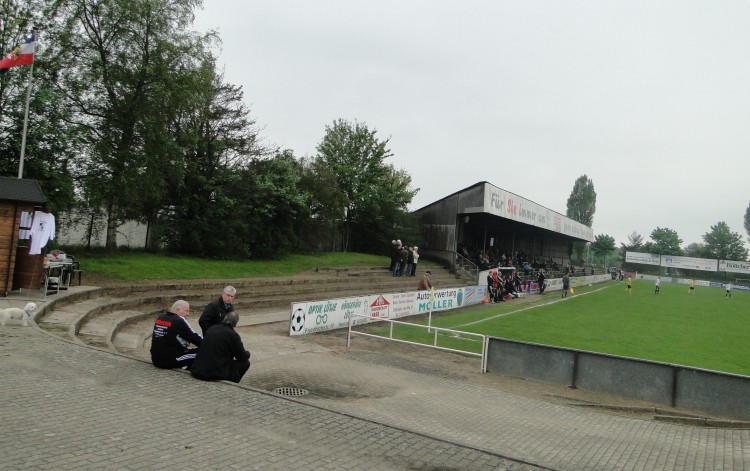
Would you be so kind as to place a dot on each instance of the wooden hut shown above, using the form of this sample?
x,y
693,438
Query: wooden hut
x,y
19,198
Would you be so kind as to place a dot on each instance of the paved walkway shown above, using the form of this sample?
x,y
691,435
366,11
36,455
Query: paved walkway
x,y
67,406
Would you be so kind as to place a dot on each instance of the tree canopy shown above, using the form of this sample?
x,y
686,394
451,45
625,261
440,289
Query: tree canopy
x,y
723,244
369,193
664,241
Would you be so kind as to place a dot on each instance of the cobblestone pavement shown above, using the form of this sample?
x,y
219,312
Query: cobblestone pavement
x,y
68,406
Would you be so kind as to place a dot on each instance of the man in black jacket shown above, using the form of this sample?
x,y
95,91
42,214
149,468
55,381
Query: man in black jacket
x,y
217,309
222,355
171,336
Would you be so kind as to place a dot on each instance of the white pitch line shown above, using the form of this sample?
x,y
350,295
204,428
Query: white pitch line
x,y
524,309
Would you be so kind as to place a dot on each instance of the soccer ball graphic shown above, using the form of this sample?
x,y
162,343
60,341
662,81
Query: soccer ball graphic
x,y
298,320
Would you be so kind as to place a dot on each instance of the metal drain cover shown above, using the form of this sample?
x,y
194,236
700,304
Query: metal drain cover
x,y
291,391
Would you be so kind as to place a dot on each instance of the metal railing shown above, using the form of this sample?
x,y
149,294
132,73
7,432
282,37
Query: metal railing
x,y
466,265
483,338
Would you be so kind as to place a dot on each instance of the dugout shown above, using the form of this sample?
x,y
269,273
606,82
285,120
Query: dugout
x,y
485,218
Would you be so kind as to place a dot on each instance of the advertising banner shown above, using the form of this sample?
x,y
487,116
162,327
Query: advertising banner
x,y
318,316
734,266
644,258
690,263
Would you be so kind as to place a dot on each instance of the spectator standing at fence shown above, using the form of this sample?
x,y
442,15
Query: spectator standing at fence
x,y
222,355
394,255
397,259
493,286
728,287
540,281
425,283
404,259
171,337
409,261
215,311
517,281
415,255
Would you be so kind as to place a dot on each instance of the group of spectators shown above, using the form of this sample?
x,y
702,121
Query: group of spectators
x,y
501,285
218,354
404,259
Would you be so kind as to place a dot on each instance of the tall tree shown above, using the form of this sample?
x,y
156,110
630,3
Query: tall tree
x,y
724,244
51,142
370,191
581,207
747,221
218,142
696,250
634,244
603,245
665,242
128,56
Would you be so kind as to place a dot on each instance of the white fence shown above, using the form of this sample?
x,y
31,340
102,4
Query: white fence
x,y
437,330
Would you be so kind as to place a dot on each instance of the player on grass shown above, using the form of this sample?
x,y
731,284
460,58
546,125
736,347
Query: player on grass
x,y
630,284
728,287
691,284
657,287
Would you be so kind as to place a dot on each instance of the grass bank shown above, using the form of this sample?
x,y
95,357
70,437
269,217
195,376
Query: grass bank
x,y
141,266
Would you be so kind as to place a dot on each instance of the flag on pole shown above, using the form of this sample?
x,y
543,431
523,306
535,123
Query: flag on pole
x,y
23,54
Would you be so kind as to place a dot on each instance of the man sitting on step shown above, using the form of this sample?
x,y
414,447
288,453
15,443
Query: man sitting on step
x,y
171,337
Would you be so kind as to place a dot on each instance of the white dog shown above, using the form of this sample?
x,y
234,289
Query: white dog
x,y
16,313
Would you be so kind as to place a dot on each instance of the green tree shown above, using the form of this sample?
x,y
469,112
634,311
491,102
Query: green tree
x,y
51,141
603,245
747,221
634,244
664,242
697,250
127,58
211,188
723,244
277,205
371,193
581,207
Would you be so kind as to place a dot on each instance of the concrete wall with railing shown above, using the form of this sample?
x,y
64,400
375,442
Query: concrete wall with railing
x,y
694,389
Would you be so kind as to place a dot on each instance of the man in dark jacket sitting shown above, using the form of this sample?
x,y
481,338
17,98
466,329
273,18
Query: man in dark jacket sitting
x,y
171,336
215,311
222,355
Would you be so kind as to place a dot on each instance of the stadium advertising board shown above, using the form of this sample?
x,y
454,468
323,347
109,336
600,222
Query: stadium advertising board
x,y
511,206
734,266
643,258
318,316
691,263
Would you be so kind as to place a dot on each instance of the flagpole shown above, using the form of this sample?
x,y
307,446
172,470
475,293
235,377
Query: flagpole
x,y
25,123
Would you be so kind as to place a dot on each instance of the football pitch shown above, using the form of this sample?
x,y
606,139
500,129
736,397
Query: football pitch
x,y
702,330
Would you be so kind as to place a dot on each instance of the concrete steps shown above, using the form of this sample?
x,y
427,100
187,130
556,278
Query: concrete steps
x,y
121,318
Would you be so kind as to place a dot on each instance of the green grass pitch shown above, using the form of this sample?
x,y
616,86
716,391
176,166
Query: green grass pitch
x,y
702,330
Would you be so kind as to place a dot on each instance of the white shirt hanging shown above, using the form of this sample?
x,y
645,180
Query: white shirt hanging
x,y
42,230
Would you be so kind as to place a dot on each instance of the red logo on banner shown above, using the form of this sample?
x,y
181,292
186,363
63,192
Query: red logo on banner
x,y
379,308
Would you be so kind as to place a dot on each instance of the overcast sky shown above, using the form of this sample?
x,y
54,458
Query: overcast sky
x,y
650,99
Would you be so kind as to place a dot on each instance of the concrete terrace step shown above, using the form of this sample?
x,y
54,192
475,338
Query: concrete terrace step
x,y
72,313
122,317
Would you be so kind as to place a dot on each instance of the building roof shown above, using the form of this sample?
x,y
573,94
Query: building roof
x,y
19,189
